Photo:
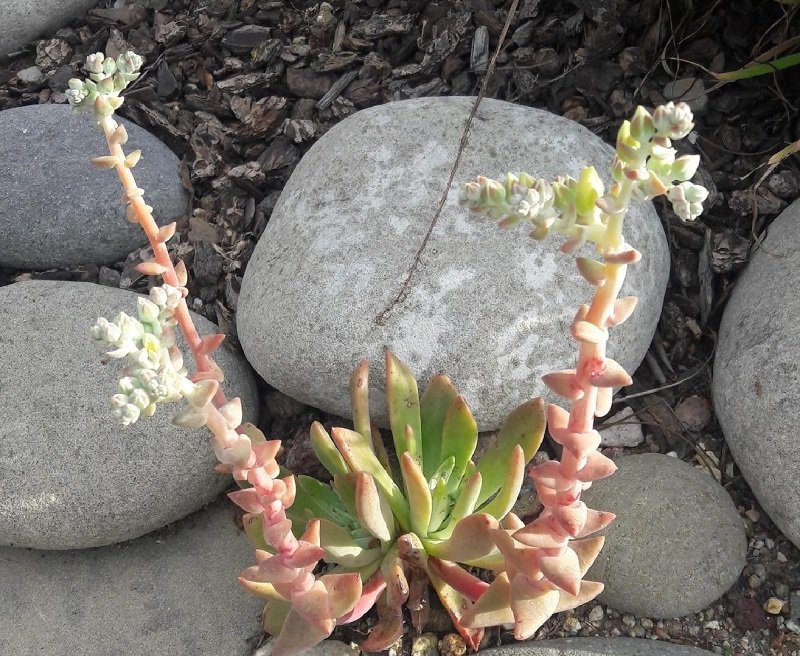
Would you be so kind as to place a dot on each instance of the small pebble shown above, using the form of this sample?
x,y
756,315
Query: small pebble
x,y
773,606
628,620
792,625
425,645
781,557
452,645
596,614
769,542
572,625
646,622
753,515
636,632
754,582
712,624
31,75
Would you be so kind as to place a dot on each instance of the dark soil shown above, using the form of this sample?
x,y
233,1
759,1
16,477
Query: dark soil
x,y
240,89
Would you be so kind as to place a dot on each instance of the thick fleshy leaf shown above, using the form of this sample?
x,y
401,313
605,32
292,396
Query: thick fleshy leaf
x,y
373,510
455,603
209,344
306,555
344,591
260,589
471,539
345,486
596,520
326,450
572,518
589,590
579,443
587,551
440,505
248,500
297,635
402,399
360,457
386,632
586,331
562,570
605,396
359,399
524,426
232,412
396,582
419,495
380,452
433,407
341,548
565,384
459,439
506,497
458,578
190,418
627,256
274,615
202,393
593,272
611,374
254,529
623,308
597,466
544,533
316,499
494,606
313,605
548,474
531,607
369,595
464,506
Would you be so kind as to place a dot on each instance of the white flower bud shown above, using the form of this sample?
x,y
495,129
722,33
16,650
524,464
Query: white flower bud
x,y
158,295
94,62
148,310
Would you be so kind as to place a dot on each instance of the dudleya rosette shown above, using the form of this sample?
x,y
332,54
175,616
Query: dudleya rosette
x,y
156,373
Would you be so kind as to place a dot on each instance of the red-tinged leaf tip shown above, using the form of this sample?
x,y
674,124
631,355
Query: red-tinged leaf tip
x,y
543,533
596,520
549,475
597,466
565,384
609,374
151,268
562,570
586,331
344,591
593,272
628,256
623,308
181,273
458,578
202,393
557,417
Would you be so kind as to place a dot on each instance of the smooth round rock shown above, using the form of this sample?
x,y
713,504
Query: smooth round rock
x,y
677,543
595,647
71,476
755,389
56,209
490,308
22,21
171,593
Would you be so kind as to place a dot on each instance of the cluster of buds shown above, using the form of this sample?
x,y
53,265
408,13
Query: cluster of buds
x,y
107,78
156,373
645,164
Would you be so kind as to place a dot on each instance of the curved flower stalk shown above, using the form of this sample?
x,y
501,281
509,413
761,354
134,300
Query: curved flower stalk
x,y
549,556
400,528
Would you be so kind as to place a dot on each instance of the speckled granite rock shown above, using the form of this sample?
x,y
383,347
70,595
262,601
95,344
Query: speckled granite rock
x,y
24,20
56,209
595,647
487,307
72,477
171,593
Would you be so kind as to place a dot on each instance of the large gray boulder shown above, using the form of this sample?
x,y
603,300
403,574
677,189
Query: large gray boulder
x,y
756,395
171,593
677,544
56,209
71,476
595,647
489,308
24,20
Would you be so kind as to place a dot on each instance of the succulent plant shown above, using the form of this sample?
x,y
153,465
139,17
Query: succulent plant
x,y
397,526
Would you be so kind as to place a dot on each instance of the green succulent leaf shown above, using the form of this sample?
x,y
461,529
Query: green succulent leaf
x,y
345,487
440,505
374,511
342,549
402,399
359,399
315,499
419,495
504,500
326,450
524,426
253,527
359,456
434,404
465,504
459,439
